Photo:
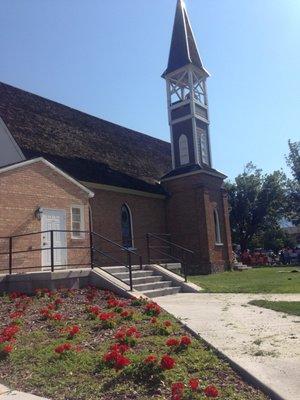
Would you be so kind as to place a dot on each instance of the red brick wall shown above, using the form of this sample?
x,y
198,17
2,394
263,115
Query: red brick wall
x,y
22,190
187,215
148,215
190,219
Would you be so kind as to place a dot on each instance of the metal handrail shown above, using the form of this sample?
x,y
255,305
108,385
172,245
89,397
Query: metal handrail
x,y
182,260
129,253
52,250
114,243
169,242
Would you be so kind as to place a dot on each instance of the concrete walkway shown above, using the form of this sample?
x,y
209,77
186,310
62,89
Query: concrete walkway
x,y
7,394
264,342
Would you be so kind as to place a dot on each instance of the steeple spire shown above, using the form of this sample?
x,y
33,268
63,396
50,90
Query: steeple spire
x,y
183,49
187,97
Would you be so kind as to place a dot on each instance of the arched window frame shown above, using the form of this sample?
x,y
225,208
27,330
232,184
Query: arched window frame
x,y
126,206
218,237
183,145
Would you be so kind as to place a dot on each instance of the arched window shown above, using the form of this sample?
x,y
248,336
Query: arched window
x,y
184,150
217,227
126,224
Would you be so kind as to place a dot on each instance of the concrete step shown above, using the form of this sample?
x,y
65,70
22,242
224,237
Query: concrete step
x,y
152,286
145,279
115,269
162,292
135,274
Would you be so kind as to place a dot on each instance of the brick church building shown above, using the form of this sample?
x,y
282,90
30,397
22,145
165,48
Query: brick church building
x,y
63,169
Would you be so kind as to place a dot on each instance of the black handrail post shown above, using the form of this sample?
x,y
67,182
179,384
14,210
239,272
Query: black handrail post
x,y
184,271
148,247
141,263
130,269
52,250
10,255
91,250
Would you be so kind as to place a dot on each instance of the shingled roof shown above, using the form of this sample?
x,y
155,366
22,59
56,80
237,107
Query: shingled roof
x,y
88,148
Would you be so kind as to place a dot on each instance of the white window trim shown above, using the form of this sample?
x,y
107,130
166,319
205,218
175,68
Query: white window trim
x,y
82,234
218,236
184,159
131,225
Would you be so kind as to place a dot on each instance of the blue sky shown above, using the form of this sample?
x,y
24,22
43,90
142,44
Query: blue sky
x,y
105,57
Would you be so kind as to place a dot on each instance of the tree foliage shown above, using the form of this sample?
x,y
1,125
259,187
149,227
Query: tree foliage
x,y
258,202
293,160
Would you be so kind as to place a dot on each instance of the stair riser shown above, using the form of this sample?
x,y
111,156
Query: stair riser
x,y
163,292
147,279
135,274
115,270
152,286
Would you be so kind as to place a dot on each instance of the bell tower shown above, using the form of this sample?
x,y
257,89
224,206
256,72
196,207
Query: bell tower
x,y
197,206
187,96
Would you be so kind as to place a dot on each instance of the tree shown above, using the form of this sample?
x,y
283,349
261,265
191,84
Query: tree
x,y
258,202
293,160
272,238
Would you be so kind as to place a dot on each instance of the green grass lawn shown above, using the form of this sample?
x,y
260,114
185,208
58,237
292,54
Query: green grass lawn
x,y
257,280
288,307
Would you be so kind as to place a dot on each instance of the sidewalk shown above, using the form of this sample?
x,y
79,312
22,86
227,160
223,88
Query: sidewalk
x,y
7,394
263,342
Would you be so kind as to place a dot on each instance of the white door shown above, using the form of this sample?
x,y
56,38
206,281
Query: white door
x,y
54,220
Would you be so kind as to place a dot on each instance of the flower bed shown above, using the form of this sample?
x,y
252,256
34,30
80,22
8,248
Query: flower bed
x,y
90,344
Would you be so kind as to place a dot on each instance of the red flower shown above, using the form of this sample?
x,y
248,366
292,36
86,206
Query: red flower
x,y
211,391
121,348
45,312
90,296
194,384
126,314
152,309
177,390
67,346
73,330
168,323
151,359
95,310
121,361
167,362
120,335
112,302
172,342
106,316
185,341
116,359
123,334
63,348
59,349
15,315
16,295
132,331
8,333
153,320
57,302
7,349
57,317
110,356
